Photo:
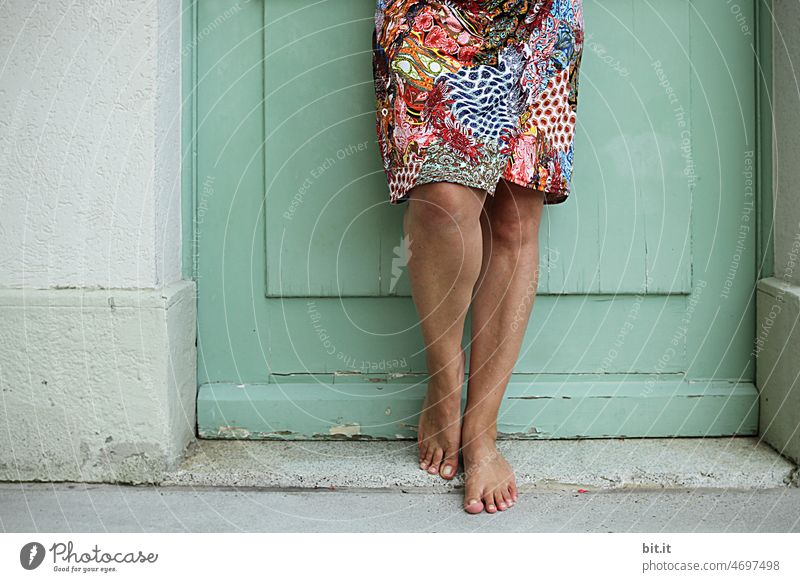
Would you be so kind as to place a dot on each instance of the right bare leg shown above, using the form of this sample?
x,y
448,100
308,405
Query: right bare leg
x,y
442,223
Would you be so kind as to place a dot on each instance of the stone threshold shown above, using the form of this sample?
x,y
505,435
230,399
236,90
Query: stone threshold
x,y
590,464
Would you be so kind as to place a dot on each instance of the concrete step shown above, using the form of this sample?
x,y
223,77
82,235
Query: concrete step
x,y
591,464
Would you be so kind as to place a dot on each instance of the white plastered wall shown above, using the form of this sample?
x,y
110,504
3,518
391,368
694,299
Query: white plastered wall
x,y
97,344
89,143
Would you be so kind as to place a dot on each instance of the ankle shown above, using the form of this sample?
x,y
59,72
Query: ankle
x,y
480,421
478,437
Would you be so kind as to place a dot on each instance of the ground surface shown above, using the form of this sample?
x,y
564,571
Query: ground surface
x,y
109,508
614,485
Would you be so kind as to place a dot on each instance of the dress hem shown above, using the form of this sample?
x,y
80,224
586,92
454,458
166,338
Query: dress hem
x,y
551,197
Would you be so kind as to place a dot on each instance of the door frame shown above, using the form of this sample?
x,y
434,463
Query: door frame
x,y
192,214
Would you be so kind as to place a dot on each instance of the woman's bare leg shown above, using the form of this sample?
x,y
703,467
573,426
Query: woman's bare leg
x,y
442,223
501,307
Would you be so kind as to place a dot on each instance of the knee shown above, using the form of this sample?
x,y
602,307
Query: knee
x,y
514,230
446,209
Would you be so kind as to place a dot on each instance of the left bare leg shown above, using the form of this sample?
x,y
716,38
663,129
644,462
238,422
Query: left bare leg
x,y
502,303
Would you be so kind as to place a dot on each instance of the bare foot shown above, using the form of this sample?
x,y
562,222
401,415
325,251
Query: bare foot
x,y
439,434
489,480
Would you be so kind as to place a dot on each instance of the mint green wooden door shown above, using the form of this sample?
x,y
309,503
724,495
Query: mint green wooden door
x,y
644,319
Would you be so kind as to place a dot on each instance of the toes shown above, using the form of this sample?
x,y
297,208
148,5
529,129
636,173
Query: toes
x,y
425,457
488,501
500,501
473,505
436,460
472,499
513,490
449,466
510,496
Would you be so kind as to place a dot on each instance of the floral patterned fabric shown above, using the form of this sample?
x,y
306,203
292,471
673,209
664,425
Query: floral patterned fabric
x,y
471,91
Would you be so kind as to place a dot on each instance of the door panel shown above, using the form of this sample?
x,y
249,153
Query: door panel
x,y
630,211
322,168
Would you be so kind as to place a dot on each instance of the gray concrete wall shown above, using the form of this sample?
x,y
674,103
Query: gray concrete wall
x,y
97,385
786,171
778,298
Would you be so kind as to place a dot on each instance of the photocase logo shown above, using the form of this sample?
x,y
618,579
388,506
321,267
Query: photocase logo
x,y
31,555
402,253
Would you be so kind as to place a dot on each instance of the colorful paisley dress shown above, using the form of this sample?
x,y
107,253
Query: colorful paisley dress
x,y
471,91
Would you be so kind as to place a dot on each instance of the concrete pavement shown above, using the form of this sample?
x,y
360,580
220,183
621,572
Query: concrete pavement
x,y
108,508
612,485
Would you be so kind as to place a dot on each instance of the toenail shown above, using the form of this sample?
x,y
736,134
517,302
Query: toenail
x,y
447,470
472,502
490,507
